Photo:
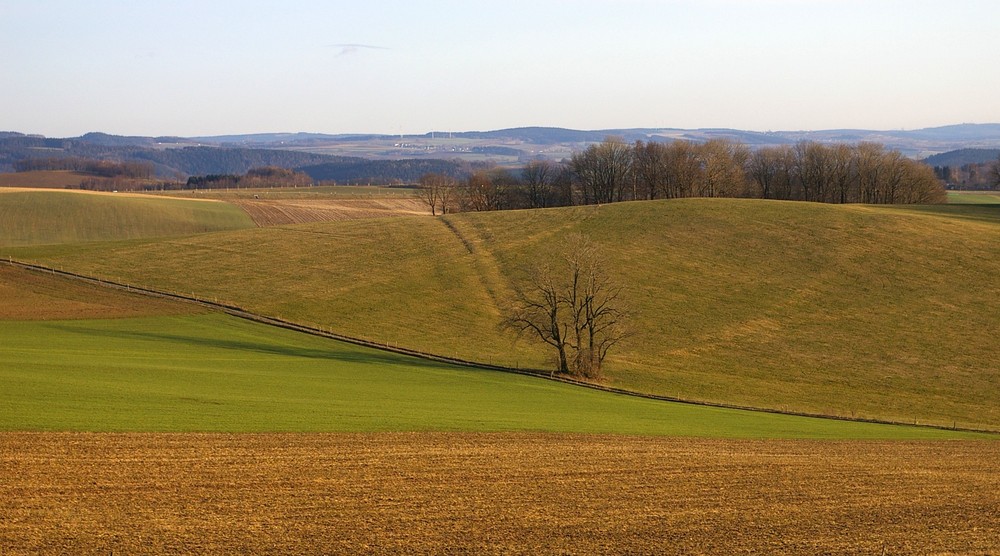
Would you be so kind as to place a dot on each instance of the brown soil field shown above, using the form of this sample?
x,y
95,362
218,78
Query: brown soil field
x,y
456,493
27,295
277,212
57,179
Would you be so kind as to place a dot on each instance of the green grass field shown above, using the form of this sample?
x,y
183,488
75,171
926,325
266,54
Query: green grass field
x,y
62,217
879,312
974,197
212,372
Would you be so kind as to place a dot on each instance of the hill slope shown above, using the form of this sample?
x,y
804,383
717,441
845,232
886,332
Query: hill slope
x,y
50,217
848,310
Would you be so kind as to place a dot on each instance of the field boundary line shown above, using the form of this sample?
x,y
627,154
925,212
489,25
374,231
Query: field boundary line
x,y
242,313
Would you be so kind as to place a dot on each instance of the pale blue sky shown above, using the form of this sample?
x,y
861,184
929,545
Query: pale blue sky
x,y
217,67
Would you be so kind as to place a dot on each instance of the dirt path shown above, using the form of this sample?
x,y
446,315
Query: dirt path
x,y
424,493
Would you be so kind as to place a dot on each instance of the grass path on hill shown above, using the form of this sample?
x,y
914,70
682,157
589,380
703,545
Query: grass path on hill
x,y
216,373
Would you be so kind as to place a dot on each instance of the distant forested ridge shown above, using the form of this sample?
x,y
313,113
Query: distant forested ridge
x,y
962,157
968,168
21,153
351,158
384,171
167,162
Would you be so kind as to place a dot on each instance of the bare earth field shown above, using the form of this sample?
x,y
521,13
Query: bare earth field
x,y
277,212
82,493
57,179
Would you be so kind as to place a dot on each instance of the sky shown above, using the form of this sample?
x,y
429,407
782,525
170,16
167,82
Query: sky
x,y
192,68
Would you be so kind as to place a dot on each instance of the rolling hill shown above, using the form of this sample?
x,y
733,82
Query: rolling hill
x,y
844,310
87,358
55,217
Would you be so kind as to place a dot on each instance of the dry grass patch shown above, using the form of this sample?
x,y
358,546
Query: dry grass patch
x,y
492,494
27,295
276,212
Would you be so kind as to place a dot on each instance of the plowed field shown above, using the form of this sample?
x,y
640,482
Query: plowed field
x,y
490,494
276,212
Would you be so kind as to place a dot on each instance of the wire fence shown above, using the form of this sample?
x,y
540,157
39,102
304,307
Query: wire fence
x,y
317,330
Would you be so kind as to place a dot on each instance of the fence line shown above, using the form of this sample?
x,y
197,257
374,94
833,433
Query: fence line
x,y
316,330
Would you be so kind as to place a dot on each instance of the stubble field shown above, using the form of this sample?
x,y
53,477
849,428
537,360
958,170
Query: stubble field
x,y
280,212
493,493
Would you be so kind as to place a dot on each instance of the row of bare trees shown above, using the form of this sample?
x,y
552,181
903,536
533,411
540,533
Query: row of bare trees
x,y
807,171
539,184
984,175
255,178
100,168
613,171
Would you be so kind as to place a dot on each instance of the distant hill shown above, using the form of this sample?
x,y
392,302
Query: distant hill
x,y
339,156
961,157
382,171
197,161
532,141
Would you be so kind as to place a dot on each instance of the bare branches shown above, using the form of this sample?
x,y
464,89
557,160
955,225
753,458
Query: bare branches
x,y
574,307
437,191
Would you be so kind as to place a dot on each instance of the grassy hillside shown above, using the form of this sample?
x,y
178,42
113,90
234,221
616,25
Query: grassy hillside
x,y
26,295
974,197
218,373
51,217
847,310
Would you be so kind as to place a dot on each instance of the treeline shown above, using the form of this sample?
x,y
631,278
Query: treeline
x,y
270,176
614,171
102,168
982,176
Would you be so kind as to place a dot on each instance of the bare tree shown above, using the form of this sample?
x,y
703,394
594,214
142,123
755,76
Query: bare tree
x,y
723,164
487,190
684,172
604,171
843,170
995,174
537,178
437,190
870,159
650,169
575,307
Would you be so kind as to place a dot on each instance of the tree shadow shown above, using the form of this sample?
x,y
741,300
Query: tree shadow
x,y
354,354
974,212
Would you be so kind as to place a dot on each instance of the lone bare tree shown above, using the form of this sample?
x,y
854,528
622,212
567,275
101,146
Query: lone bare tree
x,y
574,306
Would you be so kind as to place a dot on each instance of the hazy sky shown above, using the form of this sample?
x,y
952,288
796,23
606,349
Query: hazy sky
x,y
216,67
